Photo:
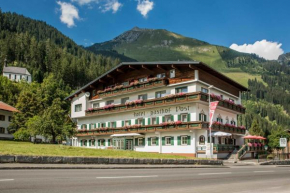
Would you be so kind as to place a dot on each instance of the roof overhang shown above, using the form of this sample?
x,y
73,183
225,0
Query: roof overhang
x,y
197,64
127,135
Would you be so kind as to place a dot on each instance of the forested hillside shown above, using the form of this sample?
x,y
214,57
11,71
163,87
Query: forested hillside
x,y
42,49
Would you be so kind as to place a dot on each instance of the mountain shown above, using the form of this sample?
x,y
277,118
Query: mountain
x,y
284,58
42,49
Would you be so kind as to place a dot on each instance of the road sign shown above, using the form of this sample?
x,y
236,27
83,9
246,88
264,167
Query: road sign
x,y
283,142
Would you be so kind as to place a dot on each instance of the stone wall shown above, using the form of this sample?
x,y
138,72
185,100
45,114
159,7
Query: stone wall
x,y
101,160
276,162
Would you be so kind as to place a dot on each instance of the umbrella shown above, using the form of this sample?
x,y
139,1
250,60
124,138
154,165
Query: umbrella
x,y
260,137
250,137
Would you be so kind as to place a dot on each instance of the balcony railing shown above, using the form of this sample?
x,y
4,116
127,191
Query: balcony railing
x,y
136,86
164,101
144,129
228,129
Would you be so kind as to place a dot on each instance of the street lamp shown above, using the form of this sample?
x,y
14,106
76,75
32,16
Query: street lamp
x,y
210,140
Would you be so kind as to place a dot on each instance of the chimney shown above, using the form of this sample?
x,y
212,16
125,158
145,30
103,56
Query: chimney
x,y
5,62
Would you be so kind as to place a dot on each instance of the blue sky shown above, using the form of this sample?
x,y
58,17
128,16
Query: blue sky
x,y
221,22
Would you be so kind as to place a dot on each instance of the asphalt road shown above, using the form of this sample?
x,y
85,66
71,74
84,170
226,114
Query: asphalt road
x,y
241,179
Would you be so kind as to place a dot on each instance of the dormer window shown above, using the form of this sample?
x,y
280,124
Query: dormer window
x,y
172,73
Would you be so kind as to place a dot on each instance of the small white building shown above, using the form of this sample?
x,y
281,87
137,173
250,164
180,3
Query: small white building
x,y
6,114
16,73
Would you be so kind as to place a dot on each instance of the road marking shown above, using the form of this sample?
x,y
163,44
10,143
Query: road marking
x,y
116,177
262,171
222,173
3,180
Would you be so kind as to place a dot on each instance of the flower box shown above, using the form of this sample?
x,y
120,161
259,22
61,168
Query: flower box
x,y
183,98
150,128
192,97
149,103
139,105
122,107
171,126
171,100
183,126
149,84
159,102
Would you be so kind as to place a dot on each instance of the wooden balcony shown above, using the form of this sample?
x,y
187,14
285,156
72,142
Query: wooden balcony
x,y
143,129
118,90
158,102
227,129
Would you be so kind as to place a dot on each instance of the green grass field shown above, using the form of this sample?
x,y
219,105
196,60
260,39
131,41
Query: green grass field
x,y
243,77
27,148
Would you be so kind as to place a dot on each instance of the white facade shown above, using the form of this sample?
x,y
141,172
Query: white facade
x,y
5,123
80,103
17,77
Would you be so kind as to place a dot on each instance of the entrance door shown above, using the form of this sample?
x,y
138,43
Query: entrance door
x,y
129,144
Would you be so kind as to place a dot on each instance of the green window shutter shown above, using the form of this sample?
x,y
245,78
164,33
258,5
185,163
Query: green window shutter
x,y
199,116
149,141
205,118
81,142
95,125
86,126
136,121
172,118
130,122
179,117
163,119
143,122
188,140
157,120
217,119
123,123
90,126
157,140
172,140
109,124
221,120
179,140
163,140
109,142
136,141
188,117
90,143
115,124
99,142
149,121
99,125
143,141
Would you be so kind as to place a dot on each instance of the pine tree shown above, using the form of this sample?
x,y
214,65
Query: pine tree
x,y
256,129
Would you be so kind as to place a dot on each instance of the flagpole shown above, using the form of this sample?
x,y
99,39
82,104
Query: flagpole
x,y
210,140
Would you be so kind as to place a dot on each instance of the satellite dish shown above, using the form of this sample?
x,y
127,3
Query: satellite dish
x,y
87,94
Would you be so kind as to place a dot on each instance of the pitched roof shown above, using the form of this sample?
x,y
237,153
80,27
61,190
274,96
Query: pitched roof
x,y
6,107
198,64
16,70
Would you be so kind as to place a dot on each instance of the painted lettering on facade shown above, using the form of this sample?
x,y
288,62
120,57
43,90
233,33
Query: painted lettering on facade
x,y
162,111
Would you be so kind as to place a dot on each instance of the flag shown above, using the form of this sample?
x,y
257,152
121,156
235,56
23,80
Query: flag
x,y
213,106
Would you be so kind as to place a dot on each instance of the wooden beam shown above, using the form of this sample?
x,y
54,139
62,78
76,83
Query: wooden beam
x,y
83,91
160,67
145,67
76,95
190,66
92,86
110,76
100,80
119,70
174,67
132,67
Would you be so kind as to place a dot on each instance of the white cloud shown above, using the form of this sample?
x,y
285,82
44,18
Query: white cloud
x,y
68,13
266,49
84,2
144,6
111,5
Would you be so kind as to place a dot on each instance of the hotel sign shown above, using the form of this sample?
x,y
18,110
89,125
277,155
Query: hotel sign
x,y
161,111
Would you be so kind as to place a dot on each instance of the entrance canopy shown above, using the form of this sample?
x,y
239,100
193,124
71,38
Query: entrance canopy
x,y
127,135
254,137
221,134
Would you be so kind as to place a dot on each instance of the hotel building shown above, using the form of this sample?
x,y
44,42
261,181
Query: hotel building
x,y
159,107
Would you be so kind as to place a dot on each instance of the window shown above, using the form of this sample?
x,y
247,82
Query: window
x,y
2,130
9,76
183,117
168,140
78,107
103,124
113,124
125,83
96,105
2,117
142,79
140,141
172,73
205,90
154,121
162,75
154,141
27,78
184,140
201,139
84,126
127,122
231,100
233,122
15,77
139,121
222,97
168,118
181,90
124,100
219,119
110,102
20,77
202,116
143,97
160,94
94,93
10,118
227,120
93,126
102,142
